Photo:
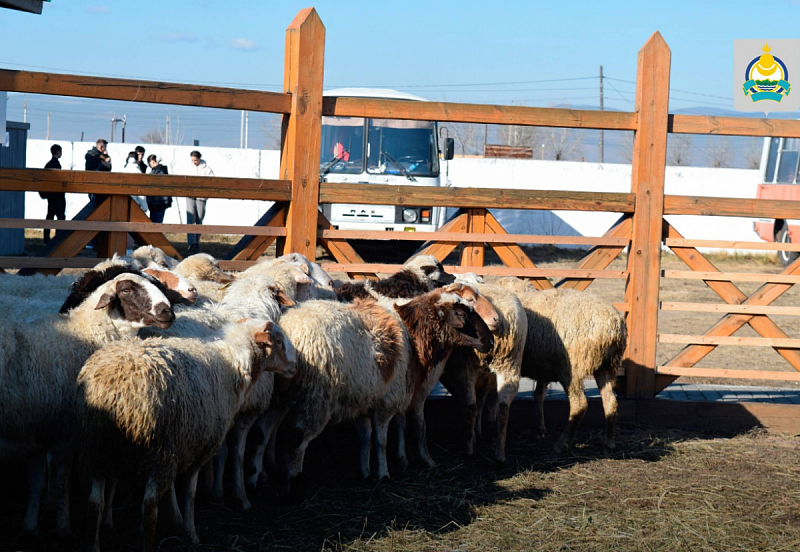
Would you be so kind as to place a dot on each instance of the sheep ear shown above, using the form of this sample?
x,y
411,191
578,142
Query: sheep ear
x,y
167,278
454,318
303,267
220,277
302,278
269,326
263,339
281,297
105,300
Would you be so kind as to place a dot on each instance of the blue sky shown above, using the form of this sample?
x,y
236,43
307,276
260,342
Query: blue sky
x,y
455,51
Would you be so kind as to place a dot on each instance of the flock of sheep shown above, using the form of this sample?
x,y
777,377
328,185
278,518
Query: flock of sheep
x,y
152,369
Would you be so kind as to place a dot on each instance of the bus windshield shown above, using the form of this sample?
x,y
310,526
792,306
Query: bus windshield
x,y
393,147
402,147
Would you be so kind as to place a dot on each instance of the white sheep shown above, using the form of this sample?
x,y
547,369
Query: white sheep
x,y
39,361
158,408
150,255
572,335
292,276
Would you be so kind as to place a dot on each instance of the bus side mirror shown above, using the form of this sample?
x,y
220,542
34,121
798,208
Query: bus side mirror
x,y
449,149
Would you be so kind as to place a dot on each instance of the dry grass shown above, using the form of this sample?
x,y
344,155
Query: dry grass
x,y
663,491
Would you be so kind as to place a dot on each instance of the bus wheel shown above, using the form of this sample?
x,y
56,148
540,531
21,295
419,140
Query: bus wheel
x,y
785,257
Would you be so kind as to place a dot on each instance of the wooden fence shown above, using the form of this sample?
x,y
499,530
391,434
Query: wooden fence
x,y
296,222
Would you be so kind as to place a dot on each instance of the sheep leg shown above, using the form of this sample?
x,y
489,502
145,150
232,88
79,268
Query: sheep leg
x,y
238,438
507,391
605,382
189,494
480,403
268,424
381,430
157,485
218,492
364,430
255,462
577,408
400,425
207,472
95,514
63,468
538,407
418,416
174,510
37,480
108,513
471,414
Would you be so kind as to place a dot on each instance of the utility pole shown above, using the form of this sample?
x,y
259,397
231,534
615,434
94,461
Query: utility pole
x,y
48,126
124,122
167,132
114,121
25,112
246,127
601,109
241,132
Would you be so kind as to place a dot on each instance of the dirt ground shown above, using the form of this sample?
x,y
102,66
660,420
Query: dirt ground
x,y
662,491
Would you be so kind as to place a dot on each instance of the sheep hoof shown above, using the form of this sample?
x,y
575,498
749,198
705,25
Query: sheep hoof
x,y
561,447
402,464
609,449
193,539
241,504
539,433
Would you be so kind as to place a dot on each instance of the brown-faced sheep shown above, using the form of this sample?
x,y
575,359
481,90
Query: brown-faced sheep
x,y
572,335
419,275
161,407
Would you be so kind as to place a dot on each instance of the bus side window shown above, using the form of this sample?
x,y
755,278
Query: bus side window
x,y
769,177
787,168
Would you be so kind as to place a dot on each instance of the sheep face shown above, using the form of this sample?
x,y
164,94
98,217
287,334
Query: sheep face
x,y
429,270
279,354
213,272
133,299
185,292
478,302
466,327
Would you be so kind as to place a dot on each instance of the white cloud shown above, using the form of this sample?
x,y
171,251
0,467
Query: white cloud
x,y
98,9
244,44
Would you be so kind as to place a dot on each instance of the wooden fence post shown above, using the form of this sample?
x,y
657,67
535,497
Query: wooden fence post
x,y
473,253
647,182
301,136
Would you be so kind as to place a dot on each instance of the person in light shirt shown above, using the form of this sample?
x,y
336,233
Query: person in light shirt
x,y
196,207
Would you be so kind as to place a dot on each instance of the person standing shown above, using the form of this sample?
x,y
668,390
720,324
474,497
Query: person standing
x,y
196,207
140,157
56,201
97,159
132,166
157,204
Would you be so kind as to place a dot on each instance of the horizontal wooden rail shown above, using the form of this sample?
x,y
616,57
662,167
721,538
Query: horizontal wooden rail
x,y
731,207
49,262
730,276
730,340
726,244
724,373
458,237
729,309
96,182
367,268
478,113
489,198
143,227
734,126
130,90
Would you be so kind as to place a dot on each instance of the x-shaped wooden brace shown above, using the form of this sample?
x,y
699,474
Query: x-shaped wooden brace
x,y
730,323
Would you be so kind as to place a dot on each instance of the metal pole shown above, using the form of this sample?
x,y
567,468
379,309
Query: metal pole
x,y
246,127
168,132
241,132
112,129
124,122
25,112
48,126
601,109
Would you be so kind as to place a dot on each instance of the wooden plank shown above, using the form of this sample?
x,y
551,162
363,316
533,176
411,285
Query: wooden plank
x,y
489,198
729,324
724,244
147,227
109,243
106,183
473,252
730,276
725,373
600,257
730,309
156,239
344,252
52,264
734,126
720,340
478,113
647,183
513,255
732,207
252,246
456,237
483,270
440,250
130,90
300,150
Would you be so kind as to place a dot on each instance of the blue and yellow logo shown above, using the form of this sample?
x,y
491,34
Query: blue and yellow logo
x,y
767,78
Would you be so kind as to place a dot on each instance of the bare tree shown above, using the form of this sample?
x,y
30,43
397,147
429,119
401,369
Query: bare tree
x,y
272,133
752,152
563,143
679,149
625,146
171,134
467,136
520,136
153,136
719,151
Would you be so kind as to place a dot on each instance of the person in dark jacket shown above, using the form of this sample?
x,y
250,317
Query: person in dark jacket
x,y
97,158
140,158
157,204
56,201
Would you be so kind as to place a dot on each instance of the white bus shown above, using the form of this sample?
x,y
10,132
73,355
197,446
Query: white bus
x,y
382,151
